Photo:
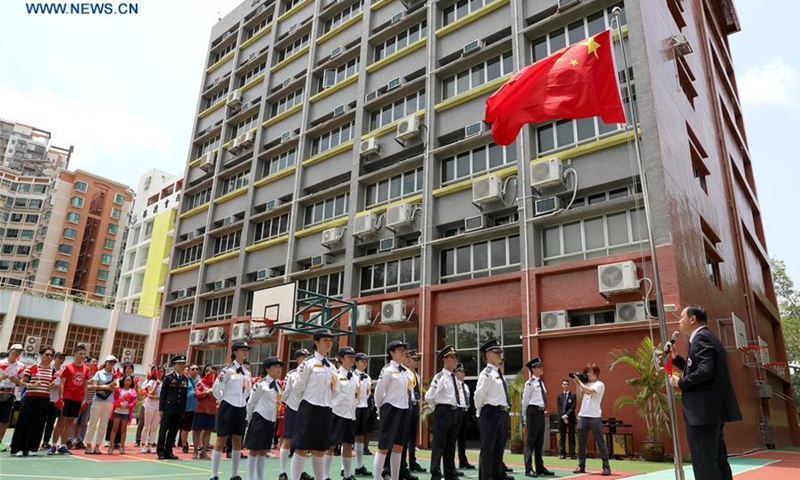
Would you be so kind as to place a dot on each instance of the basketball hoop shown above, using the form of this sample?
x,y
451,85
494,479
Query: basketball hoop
x,y
256,322
752,348
756,361
780,369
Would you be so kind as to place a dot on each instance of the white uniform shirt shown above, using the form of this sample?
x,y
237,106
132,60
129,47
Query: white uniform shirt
x,y
9,370
393,386
316,381
344,402
364,389
532,395
490,389
264,399
443,390
236,386
590,405
54,393
290,396
464,395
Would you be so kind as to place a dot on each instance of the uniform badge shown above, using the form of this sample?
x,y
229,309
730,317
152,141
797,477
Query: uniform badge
x,y
689,362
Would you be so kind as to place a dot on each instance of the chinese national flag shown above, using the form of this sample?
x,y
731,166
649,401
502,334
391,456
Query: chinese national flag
x,y
578,81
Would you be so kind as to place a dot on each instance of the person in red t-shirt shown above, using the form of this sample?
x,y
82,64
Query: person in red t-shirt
x,y
74,378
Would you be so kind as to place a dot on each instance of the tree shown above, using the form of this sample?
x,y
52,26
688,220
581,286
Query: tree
x,y
789,304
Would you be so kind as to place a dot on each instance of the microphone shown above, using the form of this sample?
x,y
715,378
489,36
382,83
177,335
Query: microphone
x,y
671,342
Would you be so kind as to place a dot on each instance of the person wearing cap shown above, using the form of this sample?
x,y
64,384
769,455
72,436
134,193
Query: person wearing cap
x,y
11,369
362,427
392,398
534,406
412,363
102,404
463,461
32,416
344,413
317,384
491,404
232,389
172,405
291,401
262,413
445,397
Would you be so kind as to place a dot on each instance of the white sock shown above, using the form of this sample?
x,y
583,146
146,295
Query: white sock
x,y
377,466
359,455
284,458
252,460
328,461
216,457
298,465
260,467
318,463
236,455
394,463
347,463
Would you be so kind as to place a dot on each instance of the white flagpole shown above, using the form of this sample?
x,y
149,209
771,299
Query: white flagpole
x,y
633,122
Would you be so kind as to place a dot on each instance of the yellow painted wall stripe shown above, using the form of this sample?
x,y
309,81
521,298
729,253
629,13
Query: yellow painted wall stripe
x,y
252,83
277,118
211,109
293,10
323,38
238,192
221,62
397,55
320,157
380,4
322,226
267,243
185,268
467,184
382,208
155,272
481,12
222,257
255,37
290,59
379,132
471,94
331,90
195,210
275,176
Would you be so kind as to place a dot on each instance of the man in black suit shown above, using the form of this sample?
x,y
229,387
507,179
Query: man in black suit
x,y
566,414
172,405
709,400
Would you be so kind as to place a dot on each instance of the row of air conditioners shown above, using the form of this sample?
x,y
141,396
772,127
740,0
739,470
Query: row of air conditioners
x,y
407,128
208,162
204,337
392,311
266,274
544,174
242,142
222,284
397,216
625,312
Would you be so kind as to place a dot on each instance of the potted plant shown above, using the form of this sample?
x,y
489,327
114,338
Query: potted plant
x,y
649,395
515,389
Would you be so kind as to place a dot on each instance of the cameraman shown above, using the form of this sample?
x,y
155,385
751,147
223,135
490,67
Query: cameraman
x,y
589,416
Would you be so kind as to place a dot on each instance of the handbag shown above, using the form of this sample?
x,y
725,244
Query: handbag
x,y
104,394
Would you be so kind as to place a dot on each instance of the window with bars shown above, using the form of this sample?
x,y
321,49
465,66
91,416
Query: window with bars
x,y
293,48
331,284
181,315
333,138
218,308
235,182
332,76
374,345
398,109
253,73
477,161
208,146
124,341
401,40
394,188
190,255
25,327
342,16
227,243
461,9
89,336
468,337
226,50
288,102
213,99
271,228
252,31
197,199
390,276
279,162
327,209
477,75
480,259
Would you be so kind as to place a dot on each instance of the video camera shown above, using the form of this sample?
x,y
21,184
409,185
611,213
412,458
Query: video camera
x,y
580,376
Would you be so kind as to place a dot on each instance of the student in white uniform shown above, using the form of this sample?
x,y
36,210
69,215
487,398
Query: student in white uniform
x,y
316,382
463,461
392,398
362,411
232,389
491,405
534,405
262,412
444,396
291,401
344,413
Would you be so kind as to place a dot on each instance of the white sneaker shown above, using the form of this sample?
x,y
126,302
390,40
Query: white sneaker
x,y
144,450
271,455
151,449
33,453
19,454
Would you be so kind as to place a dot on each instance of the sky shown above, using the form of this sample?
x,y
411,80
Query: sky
x,y
123,89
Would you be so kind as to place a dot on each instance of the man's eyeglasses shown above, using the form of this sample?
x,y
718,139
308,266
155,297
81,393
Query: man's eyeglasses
x,y
48,354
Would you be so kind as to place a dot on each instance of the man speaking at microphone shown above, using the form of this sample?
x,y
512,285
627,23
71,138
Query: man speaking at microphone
x,y
709,400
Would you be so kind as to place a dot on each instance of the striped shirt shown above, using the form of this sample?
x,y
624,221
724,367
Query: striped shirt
x,y
41,378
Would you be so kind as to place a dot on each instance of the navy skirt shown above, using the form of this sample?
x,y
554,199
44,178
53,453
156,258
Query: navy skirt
x,y
312,429
259,433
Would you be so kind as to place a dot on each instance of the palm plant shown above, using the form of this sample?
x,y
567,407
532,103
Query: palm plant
x,y
515,390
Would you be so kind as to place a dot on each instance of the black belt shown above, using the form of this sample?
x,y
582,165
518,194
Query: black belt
x,y
446,406
464,408
503,408
537,408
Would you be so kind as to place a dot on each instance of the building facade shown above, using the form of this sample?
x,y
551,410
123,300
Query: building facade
x,y
27,150
146,260
339,145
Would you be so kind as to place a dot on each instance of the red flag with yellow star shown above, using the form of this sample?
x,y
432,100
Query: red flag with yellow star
x,y
578,81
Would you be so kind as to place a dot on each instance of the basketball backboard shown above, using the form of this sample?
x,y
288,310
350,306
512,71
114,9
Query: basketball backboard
x,y
278,303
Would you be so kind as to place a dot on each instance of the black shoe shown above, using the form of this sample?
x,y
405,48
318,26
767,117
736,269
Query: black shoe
x,y
366,451
283,476
359,471
506,477
545,473
406,475
466,466
416,467
305,476
214,478
531,473
579,470
172,457
459,473
606,472
161,457
573,457
185,449
237,477
506,469
562,457
386,476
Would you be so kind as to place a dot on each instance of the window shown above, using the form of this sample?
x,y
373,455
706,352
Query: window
x,y
327,209
235,182
19,266
190,255
342,16
23,187
181,315
332,76
288,4
584,319
480,259
70,233
73,217
477,75
102,275
333,138
396,187
288,102
76,202
35,204
216,98
8,249
113,228
271,228
109,244
148,229
279,162
39,188
23,249
28,234
119,198
477,161
574,32
227,242
374,345
58,281
253,73
226,50
218,308
198,199
81,186
15,217
390,276
461,9
401,40
31,218
245,125
116,213
399,109
331,285
713,258
105,259
468,337
565,133
594,237
65,249
4,265
698,156
100,290
208,146
251,32
293,48
62,265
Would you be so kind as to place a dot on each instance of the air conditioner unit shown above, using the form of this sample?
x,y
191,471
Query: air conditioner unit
x,y
192,234
473,130
554,319
285,136
216,80
393,83
477,222
240,331
546,173
397,18
398,216
365,225
181,293
221,284
337,51
207,163
236,146
127,355
681,46
265,274
370,96
260,9
215,335
321,260
332,236
487,190
197,337
472,46
286,83
338,111
32,344
261,332
618,278
407,128
249,138
393,311
364,318
565,4
273,204
245,106
631,312
234,98
390,243
547,205
225,35
228,220
369,146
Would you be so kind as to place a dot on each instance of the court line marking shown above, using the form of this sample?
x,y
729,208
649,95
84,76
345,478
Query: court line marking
x,y
20,475
161,462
